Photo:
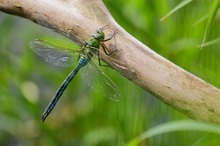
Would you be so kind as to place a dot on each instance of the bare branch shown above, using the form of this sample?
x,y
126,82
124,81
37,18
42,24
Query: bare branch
x,y
76,19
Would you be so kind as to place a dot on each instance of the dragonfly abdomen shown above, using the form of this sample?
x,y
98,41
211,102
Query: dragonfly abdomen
x,y
82,62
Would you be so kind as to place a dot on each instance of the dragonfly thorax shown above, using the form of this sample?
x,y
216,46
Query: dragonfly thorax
x,y
93,44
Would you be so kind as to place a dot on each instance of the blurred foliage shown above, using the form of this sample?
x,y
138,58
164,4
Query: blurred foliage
x,y
84,117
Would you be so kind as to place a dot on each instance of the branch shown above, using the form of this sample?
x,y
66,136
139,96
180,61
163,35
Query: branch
x,y
76,19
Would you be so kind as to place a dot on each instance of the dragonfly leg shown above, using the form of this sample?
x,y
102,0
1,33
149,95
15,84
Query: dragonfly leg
x,y
105,50
104,27
115,32
99,60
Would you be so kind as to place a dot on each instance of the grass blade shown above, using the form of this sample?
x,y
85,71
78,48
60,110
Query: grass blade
x,y
210,20
182,4
209,43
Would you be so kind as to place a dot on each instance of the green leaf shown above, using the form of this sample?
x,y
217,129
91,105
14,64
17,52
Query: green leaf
x,y
207,140
175,126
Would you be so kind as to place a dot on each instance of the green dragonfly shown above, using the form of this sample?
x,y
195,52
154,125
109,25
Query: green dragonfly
x,y
64,57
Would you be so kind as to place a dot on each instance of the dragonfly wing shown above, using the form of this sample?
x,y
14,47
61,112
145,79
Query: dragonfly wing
x,y
53,54
112,91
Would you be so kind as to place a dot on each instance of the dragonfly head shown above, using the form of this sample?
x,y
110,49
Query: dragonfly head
x,y
98,35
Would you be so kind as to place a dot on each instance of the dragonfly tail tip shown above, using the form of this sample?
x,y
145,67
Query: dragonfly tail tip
x,y
43,118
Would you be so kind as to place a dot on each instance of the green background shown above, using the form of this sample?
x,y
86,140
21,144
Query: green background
x,y
84,117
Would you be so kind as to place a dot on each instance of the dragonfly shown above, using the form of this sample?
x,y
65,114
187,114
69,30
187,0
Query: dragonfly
x,y
63,57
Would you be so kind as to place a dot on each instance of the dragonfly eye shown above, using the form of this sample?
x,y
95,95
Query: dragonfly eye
x,y
98,31
98,35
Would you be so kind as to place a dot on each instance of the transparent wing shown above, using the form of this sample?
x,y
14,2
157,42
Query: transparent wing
x,y
54,54
111,89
